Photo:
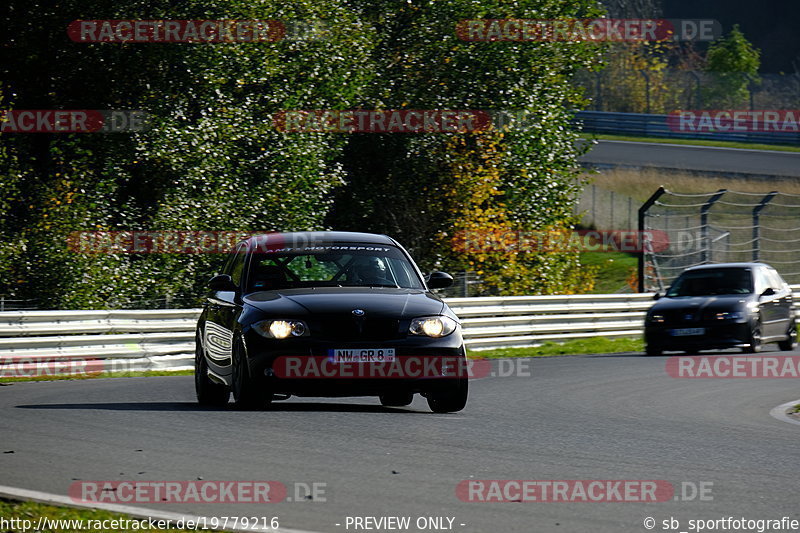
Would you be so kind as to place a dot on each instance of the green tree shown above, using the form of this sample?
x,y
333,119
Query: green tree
x,y
733,64
211,161
397,183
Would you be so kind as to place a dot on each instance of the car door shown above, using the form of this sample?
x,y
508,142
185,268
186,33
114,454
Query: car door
x,y
223,309
782,301
765,302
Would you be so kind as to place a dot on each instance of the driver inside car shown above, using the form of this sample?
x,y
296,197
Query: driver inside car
x,y
371,272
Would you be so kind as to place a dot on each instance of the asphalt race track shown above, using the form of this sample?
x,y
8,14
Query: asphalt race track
x,y
617,417
694,158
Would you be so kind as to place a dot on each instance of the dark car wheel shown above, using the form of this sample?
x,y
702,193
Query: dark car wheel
x,y
652,350
791,339
754,342
451,400
208,392
397,399
248,392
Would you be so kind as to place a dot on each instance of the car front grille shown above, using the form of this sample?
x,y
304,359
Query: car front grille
x,y
349,328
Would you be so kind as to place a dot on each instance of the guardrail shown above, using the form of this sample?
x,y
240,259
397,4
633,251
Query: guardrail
x,y
640,124
38,342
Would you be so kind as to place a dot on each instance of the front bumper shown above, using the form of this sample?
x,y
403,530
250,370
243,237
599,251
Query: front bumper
x,y
714,336
303,366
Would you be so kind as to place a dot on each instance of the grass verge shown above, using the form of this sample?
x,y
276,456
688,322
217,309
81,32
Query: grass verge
x,y
571,347
16,513
697,142
615,270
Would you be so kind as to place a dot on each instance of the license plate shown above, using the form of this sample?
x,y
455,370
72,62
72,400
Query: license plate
x,y
362,355
686,332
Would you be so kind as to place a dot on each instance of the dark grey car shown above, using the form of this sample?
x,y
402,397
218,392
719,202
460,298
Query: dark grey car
x,y
725,305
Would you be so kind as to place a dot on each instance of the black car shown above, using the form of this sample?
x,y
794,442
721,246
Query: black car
x,y
328,314
723,305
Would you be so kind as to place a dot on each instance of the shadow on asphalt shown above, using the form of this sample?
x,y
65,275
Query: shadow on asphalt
x,y
191,406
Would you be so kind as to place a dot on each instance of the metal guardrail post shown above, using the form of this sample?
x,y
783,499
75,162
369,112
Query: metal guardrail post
x,y
756,228
642,214
704,224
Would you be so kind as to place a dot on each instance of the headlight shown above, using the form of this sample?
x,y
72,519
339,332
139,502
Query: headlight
x,y
433,326
655,318
281,329
729,315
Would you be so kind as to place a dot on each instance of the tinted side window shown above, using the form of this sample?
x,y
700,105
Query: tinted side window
x,y
237,265
762,282
774,279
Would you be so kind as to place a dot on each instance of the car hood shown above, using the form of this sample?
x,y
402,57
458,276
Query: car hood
x,y
720,302
375,302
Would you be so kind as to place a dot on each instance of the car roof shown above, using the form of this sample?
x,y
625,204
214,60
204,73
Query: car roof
x,y
728,265
306,238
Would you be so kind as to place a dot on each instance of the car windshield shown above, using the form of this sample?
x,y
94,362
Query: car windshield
x,y
709,282
335,265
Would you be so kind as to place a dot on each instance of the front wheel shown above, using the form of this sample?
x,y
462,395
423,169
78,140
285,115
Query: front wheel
x,y
754,342
208,392
449,401
652,350
791,339
248,392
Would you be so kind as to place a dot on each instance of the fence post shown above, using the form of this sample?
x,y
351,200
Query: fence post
x,y
642,214
611,203
699,89
756,228
704,224
646,77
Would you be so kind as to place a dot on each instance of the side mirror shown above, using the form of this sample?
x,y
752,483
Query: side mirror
x,y
769,291
657,296
439,280
221,282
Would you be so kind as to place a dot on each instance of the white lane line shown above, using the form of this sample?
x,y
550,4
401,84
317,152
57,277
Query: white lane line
x,y
779,412
14,493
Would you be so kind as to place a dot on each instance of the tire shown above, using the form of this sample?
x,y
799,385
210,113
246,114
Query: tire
x,y
754,342
396,399
451,400
248,392
791,342
208,392
652,350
